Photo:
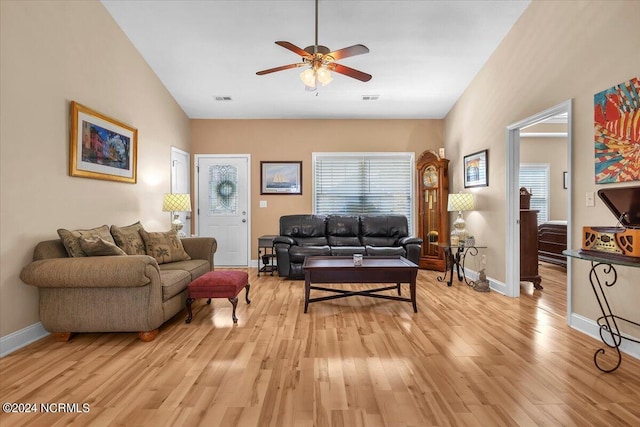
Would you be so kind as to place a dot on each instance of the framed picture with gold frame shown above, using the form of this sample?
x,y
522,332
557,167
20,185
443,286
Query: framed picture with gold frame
x,y
101,147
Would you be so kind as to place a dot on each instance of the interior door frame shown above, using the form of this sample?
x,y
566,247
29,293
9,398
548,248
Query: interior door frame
x,y
512,202
173,189
196,184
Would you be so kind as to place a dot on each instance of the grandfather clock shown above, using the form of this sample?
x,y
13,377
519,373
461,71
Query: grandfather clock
x,y
433,225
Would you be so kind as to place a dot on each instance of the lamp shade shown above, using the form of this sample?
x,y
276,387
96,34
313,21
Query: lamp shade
x,y
461,202
175,202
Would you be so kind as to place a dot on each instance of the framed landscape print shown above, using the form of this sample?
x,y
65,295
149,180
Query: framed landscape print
x,y
280,177
101,147
476,169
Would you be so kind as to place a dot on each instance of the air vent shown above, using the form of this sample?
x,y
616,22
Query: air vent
x,y
223,98
370,97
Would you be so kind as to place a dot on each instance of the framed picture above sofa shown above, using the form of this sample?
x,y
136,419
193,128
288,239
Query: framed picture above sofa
x,y
281,177
101,147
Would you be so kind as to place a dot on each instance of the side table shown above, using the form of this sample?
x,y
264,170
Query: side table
x,y
266,255
455,256
603,272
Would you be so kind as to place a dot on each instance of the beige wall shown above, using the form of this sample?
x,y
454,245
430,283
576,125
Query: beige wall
x,y
556,51
53,53
268,140
552,151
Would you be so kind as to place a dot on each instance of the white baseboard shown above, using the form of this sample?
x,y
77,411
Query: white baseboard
x,y
591,328
21,338
494,284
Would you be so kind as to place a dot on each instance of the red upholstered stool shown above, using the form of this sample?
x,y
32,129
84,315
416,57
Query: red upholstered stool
x,y
218,284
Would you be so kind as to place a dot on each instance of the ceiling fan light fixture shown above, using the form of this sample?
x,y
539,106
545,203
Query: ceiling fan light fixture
x,y
308,77
324,76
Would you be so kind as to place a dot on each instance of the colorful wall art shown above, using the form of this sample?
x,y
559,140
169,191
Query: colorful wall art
x,y
617,133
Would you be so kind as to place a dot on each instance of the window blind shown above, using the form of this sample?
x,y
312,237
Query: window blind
x,y
363,184
535,178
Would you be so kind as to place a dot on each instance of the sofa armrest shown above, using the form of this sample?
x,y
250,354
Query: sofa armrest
x,y
200,247
409,240
285,239
91,272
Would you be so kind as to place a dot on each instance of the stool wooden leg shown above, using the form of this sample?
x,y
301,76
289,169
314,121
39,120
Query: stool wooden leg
x,y
209,301
190,316
246,294
234,302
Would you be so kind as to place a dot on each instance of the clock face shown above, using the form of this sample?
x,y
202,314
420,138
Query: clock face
x,y
430,177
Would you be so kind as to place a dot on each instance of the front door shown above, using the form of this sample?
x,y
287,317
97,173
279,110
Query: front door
x,y
180,176
223,206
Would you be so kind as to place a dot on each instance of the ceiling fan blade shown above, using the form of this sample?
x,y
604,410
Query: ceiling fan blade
x,y
351,72
356,49
284,67
293,48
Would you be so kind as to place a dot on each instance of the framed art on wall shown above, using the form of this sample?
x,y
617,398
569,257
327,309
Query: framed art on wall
x,y
476,169
101,147
281,177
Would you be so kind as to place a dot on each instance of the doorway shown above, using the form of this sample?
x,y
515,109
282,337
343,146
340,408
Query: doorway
x,y
513,196
222,206
181,182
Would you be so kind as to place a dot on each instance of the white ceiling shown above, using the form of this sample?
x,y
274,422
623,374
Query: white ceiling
x,y
423,54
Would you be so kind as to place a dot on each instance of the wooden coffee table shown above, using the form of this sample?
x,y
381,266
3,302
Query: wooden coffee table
x,y
340,269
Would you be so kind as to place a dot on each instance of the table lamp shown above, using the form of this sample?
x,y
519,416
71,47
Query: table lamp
x,y
176,202
460,202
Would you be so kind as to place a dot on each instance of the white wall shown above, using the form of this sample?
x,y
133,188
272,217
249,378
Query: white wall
x,y
53,53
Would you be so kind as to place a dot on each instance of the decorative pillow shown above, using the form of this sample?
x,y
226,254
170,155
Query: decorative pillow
x,y
164,246
95,246
70,239
128,238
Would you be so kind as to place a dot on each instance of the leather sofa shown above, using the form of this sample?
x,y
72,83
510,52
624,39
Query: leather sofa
x,y
341,235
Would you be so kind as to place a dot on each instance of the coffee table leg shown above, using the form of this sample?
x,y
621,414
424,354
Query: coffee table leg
x,y
412,290
307,291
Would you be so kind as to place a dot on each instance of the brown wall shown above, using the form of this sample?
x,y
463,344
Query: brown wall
x,y
268,140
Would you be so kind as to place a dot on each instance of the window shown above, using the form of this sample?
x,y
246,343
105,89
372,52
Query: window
x,y
535,178
363,183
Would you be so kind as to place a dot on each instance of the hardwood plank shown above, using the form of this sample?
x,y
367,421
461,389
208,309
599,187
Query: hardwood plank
x,y
466,358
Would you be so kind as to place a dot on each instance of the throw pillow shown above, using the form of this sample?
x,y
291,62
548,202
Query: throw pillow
x,y
128,238
70,239
95,246
164,246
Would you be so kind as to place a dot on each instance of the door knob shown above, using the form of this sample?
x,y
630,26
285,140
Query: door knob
x,y
244,220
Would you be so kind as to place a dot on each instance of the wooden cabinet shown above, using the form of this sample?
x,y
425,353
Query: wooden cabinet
x,y
433,220
529,247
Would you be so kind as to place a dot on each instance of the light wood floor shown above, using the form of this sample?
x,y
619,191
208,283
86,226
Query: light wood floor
x,y
467,358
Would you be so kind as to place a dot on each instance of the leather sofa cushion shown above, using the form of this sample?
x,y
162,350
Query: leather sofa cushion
x,y
303,225
347,250
297,254
343,230
385,251
311,241
383,230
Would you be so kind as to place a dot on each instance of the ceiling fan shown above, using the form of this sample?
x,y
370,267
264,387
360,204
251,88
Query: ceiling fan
x,y
321,62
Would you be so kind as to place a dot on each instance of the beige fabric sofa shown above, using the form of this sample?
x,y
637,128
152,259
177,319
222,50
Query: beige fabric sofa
x,y
112,293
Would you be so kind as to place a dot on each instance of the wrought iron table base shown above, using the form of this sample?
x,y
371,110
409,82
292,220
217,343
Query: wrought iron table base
x,y
602,272
457,260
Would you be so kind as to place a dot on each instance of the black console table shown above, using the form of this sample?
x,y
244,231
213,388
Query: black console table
x,y
603,272
455,256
